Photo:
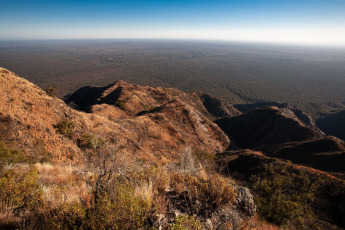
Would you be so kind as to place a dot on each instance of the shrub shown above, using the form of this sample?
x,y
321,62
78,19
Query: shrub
x,y
51,91
8,155
204,155
183,222
121,105
19,192
284,195
66,127
210,194
68,216
89,141
120,209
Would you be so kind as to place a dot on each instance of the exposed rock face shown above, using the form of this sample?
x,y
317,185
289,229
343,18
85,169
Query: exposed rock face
x,y
227,216
237,214
245,202
163,128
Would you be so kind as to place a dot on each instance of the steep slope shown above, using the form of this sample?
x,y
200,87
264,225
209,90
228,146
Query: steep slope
x,y
217,107
278,132
283,179
290,110
333,124
31,119
269,125
325,154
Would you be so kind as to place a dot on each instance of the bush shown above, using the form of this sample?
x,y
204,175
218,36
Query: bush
x,y
66,127
121,105
210,194
68,216
186,222
8,155
89,141
284,195
119,210
19,192
51,91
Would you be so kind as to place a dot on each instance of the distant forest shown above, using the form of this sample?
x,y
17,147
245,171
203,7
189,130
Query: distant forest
x,y
313,79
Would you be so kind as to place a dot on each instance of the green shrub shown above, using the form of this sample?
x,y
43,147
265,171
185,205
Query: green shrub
x,y
284,195
89,141
8,155
19,191
68,216
51,91
121,105
120,209
185,222
66,127
204,155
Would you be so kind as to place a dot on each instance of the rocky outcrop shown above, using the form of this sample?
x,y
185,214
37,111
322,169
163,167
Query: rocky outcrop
x,y
245,202
230,215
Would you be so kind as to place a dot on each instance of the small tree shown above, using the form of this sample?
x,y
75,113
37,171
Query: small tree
x,y
104,162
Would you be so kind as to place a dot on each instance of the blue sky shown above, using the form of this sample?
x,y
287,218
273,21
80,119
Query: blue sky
x,y
282,21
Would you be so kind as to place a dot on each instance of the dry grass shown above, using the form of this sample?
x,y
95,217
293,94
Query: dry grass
x,y
64,184
145,191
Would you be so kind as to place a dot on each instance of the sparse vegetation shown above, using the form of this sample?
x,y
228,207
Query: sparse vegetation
x,y
20,193
111,194
51,91
9,155
121,105
186,222
89,141
66,127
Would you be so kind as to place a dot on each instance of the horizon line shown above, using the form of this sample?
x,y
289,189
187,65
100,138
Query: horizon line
x,y
298,44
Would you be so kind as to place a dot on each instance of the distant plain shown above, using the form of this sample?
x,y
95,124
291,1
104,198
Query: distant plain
x,y
311,78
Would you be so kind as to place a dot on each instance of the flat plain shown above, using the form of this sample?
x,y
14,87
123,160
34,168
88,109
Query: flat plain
x,y
313,79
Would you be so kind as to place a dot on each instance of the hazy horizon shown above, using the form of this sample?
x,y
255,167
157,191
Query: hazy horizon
x,y
301,22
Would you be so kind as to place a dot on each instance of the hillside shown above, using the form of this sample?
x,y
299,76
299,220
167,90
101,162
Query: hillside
x,y
146,157
31,118
281,133
54,159
333,124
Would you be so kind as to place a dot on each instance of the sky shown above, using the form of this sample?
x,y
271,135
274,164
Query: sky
x,y
312,22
